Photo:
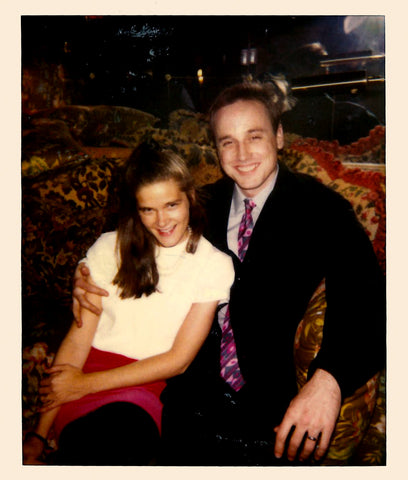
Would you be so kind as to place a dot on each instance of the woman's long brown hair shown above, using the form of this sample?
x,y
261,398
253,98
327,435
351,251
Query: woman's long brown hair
x,y
138,274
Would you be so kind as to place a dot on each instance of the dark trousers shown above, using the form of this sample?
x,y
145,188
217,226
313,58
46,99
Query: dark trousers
x,y
116,434
219,431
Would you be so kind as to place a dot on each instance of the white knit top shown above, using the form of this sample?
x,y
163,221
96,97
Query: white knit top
x,y
139,328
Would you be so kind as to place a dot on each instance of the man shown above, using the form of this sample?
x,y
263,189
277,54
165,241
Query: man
x,y
297,233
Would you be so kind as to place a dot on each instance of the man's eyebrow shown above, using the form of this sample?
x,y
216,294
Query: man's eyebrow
x,y
251,130
255,130
224,137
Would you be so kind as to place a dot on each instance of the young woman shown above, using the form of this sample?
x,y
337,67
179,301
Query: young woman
x,y
164,282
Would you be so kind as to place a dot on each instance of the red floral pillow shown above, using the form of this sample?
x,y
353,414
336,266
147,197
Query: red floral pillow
x,y
362,185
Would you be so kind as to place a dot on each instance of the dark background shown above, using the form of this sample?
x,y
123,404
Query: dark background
x,y
151,62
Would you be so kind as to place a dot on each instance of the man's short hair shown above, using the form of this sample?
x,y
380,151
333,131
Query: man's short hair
x,y
273,94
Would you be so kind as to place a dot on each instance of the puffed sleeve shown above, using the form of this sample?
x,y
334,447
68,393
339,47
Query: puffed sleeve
x,y
215,278
101,259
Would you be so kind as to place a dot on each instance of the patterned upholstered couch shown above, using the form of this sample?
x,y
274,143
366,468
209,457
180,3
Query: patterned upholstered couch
x,y
70,160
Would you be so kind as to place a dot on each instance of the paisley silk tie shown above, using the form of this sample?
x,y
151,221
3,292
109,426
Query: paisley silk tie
x,y
230,371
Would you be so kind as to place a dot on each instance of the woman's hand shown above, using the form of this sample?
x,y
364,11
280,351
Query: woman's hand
x,y
65,384
33,448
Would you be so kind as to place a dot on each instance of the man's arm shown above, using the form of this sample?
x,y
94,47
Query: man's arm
x,y
313,412
353,343
83,285
353,337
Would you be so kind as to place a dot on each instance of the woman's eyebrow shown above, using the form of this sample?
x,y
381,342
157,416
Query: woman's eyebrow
x,y
177,200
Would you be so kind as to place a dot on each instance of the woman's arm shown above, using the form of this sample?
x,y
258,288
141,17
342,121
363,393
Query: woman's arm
x,y
187,343
175,361
73,351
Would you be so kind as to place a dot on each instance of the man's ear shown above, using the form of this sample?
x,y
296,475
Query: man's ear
x,y
280,138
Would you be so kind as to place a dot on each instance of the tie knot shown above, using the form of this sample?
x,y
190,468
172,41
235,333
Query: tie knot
x,y
249,204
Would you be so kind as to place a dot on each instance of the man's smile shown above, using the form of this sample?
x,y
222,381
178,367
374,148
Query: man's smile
x,y
247,168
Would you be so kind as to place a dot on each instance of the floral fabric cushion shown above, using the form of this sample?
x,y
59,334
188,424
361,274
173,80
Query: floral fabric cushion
x,y
63,212
57,137
369,150
99,125
36,359
47,145
193,127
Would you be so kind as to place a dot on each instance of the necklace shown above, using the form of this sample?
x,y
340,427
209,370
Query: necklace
x,y
169,259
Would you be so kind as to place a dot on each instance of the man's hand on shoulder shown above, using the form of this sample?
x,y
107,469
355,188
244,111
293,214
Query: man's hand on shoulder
x,y
83,285
312,414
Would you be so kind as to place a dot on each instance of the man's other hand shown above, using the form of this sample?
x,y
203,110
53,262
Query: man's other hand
x,y
312,416
83,285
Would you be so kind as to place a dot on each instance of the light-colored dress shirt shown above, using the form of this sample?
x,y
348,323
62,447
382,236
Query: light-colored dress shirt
x,y
238,209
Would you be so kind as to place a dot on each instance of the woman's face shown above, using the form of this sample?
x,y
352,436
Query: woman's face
x,y
165,211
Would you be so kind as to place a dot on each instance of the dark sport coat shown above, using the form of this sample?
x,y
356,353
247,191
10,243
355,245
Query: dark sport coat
x,y
306,232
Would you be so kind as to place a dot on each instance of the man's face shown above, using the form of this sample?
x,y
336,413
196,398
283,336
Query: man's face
x,y
247,145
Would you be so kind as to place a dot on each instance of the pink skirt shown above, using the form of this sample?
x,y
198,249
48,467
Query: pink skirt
x,y
145,396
